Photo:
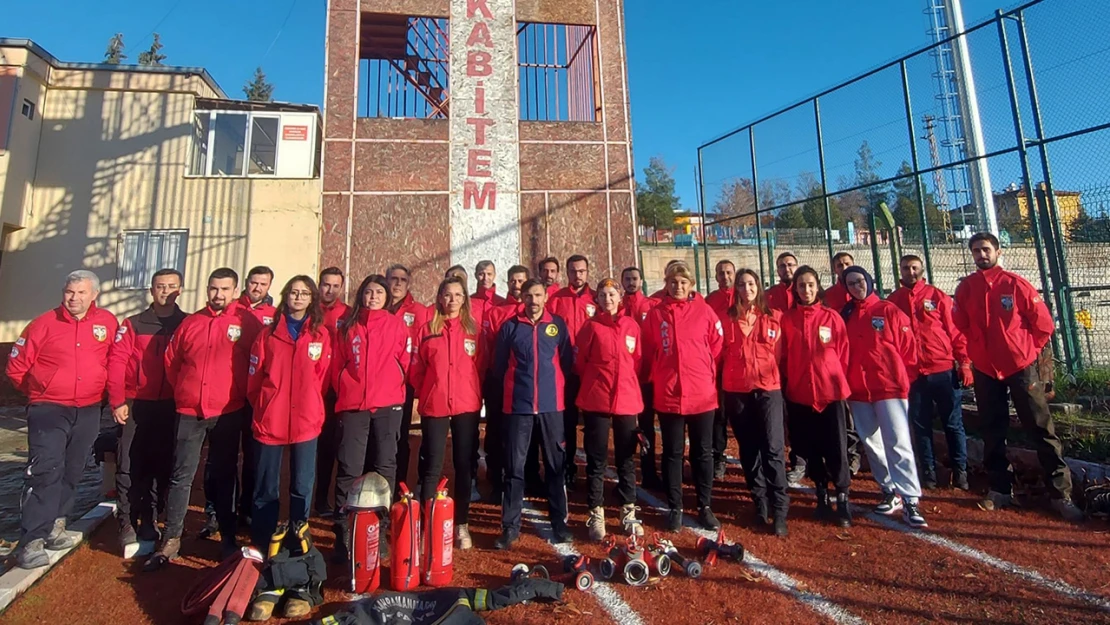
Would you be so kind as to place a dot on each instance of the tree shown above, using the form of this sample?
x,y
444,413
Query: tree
x,y
813,209
791,217
114,54
867,173
153,56
906,212
1086,229
656,201
258,89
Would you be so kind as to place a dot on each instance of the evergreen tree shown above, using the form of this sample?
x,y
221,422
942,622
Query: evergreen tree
x,y
154,55
258,89
114,54
905,210
656,201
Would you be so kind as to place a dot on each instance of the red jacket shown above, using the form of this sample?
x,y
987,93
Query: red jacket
x,y
264,312
881,352
61,360
207,360
659,295
780,297
637,306
682,341
1004,319
496,316
837,297
814,350
285,383
447,370
720,301
413,314
552,290
372,362
488,295
334,315
137,358
574,308
939,343
751,362
607,359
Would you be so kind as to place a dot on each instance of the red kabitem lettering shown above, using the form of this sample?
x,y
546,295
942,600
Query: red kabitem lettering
x,y
486,197
480,35
478,63
480,125
474,6
477,163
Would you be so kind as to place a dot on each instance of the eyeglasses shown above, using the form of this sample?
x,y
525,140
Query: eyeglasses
x,y
860,282
300,294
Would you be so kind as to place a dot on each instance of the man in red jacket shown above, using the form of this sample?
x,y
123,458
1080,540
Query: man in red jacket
x,y
335,311
206,363
574,304
837,297
142,400
720,301
1007,325
636,305
493,443
485,277
781,296
548,271
256,294
61,363
415,315
942,368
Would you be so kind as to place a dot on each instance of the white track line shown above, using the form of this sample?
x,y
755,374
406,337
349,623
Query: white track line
x,y
618,610
1029,575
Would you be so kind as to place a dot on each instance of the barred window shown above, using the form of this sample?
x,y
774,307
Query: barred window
x,y
143,252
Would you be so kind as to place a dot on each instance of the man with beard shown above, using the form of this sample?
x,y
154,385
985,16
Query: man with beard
x,y
335,311
415,315
781,296
721,301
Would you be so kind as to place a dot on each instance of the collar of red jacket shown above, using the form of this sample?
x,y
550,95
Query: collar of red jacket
x,y
585,292
232,307
332,306
366,314
523,316
866,303
917,288
484,293
149,316
65,315
607,318
281,330
993,274
511,299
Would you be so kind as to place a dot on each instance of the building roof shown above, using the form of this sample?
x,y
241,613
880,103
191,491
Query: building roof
x,y
247,105
145,69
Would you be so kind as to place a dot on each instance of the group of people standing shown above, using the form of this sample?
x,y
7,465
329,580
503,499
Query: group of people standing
x,y
337,385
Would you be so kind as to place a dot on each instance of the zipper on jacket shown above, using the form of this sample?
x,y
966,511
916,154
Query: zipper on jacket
x,y
536,368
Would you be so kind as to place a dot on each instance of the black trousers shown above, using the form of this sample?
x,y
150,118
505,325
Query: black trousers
x,y
494,442
326,446
223,433
244,485
823,443
1027,392
571,420
433,449
520,429
596,442
59,441
794,431
404,450
700,431
757,423
720,426
367,443
144,461
852,439
648,464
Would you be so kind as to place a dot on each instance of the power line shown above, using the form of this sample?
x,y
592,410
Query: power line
x,y
281,28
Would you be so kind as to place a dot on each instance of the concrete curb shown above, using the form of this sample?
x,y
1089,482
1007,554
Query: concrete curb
x,y
17,581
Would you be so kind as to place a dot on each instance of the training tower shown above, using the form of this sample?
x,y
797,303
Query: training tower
x,y
459,130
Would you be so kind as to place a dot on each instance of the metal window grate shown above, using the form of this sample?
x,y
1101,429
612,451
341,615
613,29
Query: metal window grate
x,y
143,252
403,67
557,77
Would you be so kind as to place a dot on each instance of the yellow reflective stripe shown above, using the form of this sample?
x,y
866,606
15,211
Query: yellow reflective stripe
x,y
480,596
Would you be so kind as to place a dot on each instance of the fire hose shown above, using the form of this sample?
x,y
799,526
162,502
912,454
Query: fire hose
x,y
581,578
692,568
226,589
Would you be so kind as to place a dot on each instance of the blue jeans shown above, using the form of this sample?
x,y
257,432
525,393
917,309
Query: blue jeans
x,y
267,487
938,391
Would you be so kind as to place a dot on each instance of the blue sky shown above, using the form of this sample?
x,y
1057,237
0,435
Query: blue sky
x,y
694,74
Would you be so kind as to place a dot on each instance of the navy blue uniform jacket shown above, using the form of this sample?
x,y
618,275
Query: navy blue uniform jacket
x,y
532,359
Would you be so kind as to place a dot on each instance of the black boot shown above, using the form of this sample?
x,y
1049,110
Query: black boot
x,y
824,510
780,526
341,553
843,514
762,514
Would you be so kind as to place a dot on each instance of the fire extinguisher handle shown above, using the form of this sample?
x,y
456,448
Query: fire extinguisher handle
x,y
442,486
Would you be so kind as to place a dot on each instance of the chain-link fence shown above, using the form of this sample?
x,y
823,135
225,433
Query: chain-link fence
x,y
1004,128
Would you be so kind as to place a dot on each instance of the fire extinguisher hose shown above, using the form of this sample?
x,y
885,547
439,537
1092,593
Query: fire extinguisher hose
x,y
201,594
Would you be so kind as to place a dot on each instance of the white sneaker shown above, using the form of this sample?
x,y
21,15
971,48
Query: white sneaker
x,y
629,522
890,505
596,523
912,516
462,537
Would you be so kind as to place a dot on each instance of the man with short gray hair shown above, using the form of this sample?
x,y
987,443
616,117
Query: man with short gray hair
x,y
61,363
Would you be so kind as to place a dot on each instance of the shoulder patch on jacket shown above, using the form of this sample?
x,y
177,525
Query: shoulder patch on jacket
x,y
234,332
878,323
930,305
470,346
315,350
630,343
100,333
1007,302
552,330
409,319
824,333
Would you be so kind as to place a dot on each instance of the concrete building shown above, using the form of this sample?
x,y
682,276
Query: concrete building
x,y
461,130
1012,205
123,170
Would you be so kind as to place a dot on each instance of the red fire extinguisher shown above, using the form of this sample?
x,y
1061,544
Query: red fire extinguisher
x,y
364,541
439,517
404,534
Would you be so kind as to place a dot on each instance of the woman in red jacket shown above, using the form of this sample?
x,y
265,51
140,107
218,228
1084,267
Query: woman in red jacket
x,y
447,367
682,341
607,360
814,351
289,364
882,354
753,397
371,364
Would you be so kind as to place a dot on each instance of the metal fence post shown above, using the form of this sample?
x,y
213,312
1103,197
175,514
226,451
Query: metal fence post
x,y
925,243
701,211
824,182
1072,351
1024,158
877,268
755,194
